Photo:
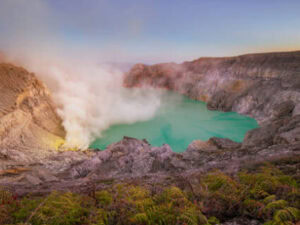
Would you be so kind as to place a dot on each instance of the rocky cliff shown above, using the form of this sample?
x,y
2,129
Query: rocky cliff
x,y
254,84
29,125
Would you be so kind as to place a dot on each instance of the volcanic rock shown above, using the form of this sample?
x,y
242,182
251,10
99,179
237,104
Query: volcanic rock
x,y
264,86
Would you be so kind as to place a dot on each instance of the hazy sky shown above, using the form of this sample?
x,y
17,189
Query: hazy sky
x,y
152,30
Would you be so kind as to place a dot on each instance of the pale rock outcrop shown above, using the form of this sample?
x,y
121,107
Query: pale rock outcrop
x,y
30,129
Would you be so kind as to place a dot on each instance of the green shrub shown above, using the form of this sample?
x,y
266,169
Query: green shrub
x,y
104,197
269,181
274,206
26,207
135,205
213,221
8,204
60,209
266,195
220,195
286,216
269,199
253,208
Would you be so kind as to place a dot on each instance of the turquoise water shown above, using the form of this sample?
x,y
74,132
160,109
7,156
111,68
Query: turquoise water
x,y
178,122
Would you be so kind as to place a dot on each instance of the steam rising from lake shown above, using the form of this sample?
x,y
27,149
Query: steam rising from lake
x,y
92,99
89,95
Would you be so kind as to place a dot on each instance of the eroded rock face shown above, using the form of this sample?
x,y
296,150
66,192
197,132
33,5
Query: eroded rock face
x,y
21,90
29,125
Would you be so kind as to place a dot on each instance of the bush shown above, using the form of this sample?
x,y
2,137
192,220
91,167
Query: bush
x,y
267,195
8,204
56,209
220,195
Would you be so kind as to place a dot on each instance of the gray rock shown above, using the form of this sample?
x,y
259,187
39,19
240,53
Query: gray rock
x,y
261,137
33,180
224,143
289,132
283,109
296,110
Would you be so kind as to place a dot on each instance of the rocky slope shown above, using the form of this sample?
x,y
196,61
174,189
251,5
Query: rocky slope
x,y
29,125
31,132
265,86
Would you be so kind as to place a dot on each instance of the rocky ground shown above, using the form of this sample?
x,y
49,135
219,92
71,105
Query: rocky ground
x,y
264,86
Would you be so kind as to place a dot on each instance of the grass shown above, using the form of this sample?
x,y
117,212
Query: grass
x,y
266,195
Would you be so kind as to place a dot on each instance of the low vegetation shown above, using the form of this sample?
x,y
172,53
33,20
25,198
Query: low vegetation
x,y
266,195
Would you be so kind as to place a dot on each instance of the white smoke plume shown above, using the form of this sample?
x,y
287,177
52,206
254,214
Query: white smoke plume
x,y
89,95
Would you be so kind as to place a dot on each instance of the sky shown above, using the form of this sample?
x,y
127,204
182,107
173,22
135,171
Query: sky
x,y
150,31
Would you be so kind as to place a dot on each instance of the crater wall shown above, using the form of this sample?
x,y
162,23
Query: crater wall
x,y
253,84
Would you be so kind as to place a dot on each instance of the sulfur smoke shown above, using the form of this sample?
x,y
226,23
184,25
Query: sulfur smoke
x,y
91,97
89,93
